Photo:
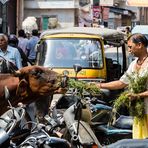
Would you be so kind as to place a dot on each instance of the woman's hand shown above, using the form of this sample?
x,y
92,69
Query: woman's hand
x,y
95,83
133,96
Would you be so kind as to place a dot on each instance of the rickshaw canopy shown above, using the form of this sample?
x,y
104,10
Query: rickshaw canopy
x,y
109,35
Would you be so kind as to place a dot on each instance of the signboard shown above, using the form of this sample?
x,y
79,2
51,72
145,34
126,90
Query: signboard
x,y
3,1
137,3
45,23
105,13
106,2
97,12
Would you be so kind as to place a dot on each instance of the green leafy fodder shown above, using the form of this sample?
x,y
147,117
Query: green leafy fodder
x,y
137,84
121,100
82,86
136,108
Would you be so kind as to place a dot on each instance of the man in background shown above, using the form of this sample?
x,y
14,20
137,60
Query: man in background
x,y
13,41
9,53
22,40
31,52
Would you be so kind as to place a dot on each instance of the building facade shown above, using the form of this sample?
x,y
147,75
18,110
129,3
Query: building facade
x,y
112,14
143,15
65,11
8,20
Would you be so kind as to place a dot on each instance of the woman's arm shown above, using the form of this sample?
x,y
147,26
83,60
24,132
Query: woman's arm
x,y
114,85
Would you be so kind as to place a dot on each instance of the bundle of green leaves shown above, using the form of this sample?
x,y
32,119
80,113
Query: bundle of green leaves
x,y
137,84
82,86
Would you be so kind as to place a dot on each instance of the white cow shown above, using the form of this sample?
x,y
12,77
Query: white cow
x,y
29,24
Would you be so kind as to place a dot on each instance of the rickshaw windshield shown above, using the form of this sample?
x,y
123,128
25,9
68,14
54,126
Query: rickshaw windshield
x,y
65,52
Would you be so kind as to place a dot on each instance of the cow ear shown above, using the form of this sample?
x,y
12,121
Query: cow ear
x,y
22,88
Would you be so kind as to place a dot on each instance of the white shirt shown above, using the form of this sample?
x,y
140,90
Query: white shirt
x,y
23,43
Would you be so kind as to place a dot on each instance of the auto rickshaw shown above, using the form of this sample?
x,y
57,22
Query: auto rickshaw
x,y
60,49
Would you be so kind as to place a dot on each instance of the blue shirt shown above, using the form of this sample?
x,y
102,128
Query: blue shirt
x,y
31,47
12,54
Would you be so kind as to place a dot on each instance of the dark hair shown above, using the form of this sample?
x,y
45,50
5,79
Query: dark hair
x,y
21,33
12,40
137,38
127,28
35,32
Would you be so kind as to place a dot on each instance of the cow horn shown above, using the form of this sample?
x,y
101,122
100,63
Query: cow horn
x,y
17,73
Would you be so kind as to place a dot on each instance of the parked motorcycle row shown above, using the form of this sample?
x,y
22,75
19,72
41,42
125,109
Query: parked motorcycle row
x,y
77,120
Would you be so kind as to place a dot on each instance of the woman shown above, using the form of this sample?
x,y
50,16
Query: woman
x,y
137,46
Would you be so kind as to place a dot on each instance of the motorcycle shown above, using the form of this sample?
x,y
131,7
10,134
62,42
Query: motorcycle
x,y
11,126
6,66
39,138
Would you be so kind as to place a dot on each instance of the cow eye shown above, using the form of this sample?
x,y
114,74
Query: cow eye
x,y
36,73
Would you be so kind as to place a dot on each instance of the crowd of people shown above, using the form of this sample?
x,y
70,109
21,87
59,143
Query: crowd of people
x,y
19,50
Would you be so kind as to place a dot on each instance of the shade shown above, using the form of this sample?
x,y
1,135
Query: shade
x,y
137,3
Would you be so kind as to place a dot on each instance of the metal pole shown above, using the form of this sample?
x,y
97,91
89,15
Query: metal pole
x,y
4,18
19,14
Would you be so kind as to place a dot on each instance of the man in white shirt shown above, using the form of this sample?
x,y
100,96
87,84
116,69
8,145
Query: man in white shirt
x,y
9,53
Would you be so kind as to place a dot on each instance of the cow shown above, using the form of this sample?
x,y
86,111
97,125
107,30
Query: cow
x,y
29,24
28,85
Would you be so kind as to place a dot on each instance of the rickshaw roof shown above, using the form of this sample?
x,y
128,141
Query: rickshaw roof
x,y
106,33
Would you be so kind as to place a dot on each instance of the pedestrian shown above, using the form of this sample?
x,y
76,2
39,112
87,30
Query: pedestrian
x,y
137,45
22,40
13,41
127,31
8,52
31,51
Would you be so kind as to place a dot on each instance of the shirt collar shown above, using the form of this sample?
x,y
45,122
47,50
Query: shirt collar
x,y
8,49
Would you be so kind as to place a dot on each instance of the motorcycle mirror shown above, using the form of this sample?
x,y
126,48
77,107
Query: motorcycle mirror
x,y
6,92
7,95
65,72
77,67
7,66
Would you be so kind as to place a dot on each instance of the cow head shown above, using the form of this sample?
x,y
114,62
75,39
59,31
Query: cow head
x,y
29,84
39,81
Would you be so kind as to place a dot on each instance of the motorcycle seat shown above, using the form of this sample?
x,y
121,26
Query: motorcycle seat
x,y
124,122
110,130
101,107
129,143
